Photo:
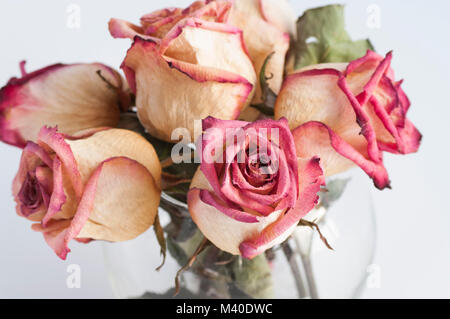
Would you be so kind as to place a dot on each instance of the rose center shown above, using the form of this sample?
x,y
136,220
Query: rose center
x,y
259,166
30,194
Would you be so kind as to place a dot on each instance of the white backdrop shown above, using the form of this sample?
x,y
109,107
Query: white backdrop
x,y
413,220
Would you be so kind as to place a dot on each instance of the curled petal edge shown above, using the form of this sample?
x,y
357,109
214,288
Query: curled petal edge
x,y
313,130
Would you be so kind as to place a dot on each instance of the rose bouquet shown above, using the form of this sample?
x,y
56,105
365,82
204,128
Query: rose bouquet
x,y
233,119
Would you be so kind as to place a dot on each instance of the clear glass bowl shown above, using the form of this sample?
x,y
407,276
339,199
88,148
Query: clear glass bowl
x,y
313,270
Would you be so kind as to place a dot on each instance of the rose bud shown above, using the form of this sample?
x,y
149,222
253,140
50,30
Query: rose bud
x,y
358,110
198,69
101,184
74,97
267,27
249,195
158,23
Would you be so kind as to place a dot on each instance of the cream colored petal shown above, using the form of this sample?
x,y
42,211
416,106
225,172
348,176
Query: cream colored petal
x,y
91,151
318,98
126,202
261,38
73,97
172,94
280,14
208,44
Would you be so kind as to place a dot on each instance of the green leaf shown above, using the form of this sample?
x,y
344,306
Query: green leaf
x,y
253,277
322,38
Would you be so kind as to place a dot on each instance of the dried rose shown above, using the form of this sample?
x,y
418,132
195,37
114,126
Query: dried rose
x,y
74,97
198,69
249,195
102,184
266,24
158,23
348,114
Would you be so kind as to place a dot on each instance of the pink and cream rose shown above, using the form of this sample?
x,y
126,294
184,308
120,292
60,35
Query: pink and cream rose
x,y
210,54
267,25
198,69
349,113
158,23
249,195
101,184
74,97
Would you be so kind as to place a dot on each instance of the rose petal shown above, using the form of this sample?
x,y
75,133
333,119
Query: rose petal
x,y
126,202
158,23
58,197
302,100
44,177
310,181
280,14
218,132
119,202
359,97
91,151
235,213
32,156
73,97
123,29
54,141
261,38
201,90
335,154
223,231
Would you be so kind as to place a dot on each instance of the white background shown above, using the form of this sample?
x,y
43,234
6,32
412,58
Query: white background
x,y
413,219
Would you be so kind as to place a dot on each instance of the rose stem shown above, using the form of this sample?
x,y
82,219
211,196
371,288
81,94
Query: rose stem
x,y
189,264
289,253
306,260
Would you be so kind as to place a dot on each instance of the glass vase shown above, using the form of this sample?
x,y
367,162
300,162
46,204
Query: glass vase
x,y
301,267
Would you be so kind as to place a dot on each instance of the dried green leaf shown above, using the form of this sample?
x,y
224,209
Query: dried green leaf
x,y
253,277
322,38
